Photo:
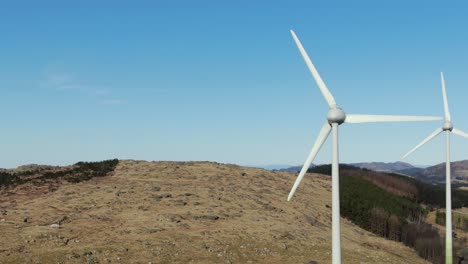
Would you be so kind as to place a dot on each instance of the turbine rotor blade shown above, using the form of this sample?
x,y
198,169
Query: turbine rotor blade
x,y
444,95
324,132
321,85
460,133
429,138
387,118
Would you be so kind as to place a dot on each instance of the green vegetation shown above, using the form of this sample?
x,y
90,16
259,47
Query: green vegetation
x,y
417,191
7,179
459,221
359,197
81,171
389,205
434,195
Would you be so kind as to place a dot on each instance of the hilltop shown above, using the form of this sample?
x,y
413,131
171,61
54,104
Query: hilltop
x,y
181,212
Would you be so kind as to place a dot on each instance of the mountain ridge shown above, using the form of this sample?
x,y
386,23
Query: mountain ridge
x,y
433,174
436,173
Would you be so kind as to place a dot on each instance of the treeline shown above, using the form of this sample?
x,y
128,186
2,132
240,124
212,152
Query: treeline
x,y
434,195
359,197
378,208
81,171
390,183
459,221
426,240
417,191
7,179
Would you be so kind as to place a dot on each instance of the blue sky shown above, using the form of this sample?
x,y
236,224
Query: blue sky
x,y
223,81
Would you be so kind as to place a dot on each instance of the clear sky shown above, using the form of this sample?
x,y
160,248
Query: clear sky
x,y
223,80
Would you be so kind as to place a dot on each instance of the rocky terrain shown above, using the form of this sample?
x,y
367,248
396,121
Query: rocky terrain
x,y
182,212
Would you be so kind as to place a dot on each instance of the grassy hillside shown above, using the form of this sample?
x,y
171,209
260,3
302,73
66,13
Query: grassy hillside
x,y
182,212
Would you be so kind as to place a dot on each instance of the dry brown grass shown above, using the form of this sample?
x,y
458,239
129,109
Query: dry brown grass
x,y
461,237
183,212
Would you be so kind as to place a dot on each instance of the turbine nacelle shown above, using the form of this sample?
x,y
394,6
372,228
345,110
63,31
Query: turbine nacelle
x,y
336,115
447,126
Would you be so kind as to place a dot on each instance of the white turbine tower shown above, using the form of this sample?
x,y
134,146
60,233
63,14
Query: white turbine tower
x,y
447,127
335,117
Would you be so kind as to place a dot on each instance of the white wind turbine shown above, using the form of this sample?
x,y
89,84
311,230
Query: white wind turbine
x,y
447,126
335,117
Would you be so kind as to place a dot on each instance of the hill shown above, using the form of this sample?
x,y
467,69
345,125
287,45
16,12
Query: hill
x,y
293,169
180,212
383,166
396,207
433,174
437,173
375,166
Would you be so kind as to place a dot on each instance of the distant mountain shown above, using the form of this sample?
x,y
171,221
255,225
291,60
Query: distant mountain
x,y
375,166
437,173
274,167
414,172
431,174
384,167
294,169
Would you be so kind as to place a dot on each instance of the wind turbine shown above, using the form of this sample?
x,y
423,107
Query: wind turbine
x,y
447,126
335,117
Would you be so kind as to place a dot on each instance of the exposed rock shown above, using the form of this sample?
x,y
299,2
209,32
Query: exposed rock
x,y
206,217
154,230
157,197
180,203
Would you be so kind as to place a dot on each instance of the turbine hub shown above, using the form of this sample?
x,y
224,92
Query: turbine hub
x,y
336,115
447,126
